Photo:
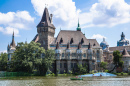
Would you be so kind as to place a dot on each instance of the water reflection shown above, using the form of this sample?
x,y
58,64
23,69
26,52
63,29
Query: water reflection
x,y
65,81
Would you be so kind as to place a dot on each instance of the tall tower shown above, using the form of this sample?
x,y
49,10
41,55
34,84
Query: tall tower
x,y
46,30
11,48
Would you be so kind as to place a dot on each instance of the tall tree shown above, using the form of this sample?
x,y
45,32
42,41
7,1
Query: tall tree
x,y
3,61
49,59
117,58
27,56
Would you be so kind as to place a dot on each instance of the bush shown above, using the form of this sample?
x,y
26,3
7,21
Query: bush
x,y
91,72
122,73
107,71
129,73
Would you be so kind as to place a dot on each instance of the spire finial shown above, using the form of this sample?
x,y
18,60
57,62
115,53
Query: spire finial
x,y
78,28
104,39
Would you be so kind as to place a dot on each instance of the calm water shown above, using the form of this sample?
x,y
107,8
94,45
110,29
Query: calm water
x,y
65,81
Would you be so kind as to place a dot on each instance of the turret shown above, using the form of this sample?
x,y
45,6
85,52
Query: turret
x,y
122,36
46,30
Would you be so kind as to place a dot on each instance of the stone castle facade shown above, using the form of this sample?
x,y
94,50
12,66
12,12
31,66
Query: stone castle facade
x,y
71,47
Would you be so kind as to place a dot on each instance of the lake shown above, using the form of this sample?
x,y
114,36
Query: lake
x,y
65,81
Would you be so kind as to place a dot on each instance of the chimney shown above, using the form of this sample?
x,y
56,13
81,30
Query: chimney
x,y
51,18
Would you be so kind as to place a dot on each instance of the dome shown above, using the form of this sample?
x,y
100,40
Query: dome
x,y
103,42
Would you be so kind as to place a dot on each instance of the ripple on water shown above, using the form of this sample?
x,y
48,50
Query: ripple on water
x,y
65,81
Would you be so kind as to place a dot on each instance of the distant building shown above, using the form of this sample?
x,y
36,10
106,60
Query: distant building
x,y
11,48
104,44
124,50
71,47
123,41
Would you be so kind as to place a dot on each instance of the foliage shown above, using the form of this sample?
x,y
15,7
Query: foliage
x,y
92,72
31,57
49,59
82,69
103,65
106,71
117,58
3,61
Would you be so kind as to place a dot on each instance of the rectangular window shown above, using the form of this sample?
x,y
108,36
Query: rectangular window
x,y
84,54
65,65
60,65
75,65
71,65
62,54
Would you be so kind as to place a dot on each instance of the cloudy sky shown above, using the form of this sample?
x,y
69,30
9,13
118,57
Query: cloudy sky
x,y
98,18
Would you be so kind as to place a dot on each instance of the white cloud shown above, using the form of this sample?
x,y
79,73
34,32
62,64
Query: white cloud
x,y
103,13
14,21
64,11
4,51
107,13
98,36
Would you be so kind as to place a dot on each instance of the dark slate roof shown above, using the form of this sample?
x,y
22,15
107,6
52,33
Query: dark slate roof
x,y
125,53
120,48
36,38
57,45
45,21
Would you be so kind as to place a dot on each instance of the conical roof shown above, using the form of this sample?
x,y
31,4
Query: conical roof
x,y
68,45
79,45
57,45
78,28
45,21
13,42
125,53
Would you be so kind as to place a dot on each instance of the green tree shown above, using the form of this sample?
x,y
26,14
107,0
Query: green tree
x,y
117,58
103,65
49,59
27,57
82,69
3,61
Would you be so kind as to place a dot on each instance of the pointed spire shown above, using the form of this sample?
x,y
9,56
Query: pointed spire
x,y
57,45
46,21
104,39
13,35
94,44
13,42
122,36
78,28
82,41
89,46
125,53
79,45
68,45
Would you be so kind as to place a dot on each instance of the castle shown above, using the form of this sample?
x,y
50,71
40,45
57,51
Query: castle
x,y
71,47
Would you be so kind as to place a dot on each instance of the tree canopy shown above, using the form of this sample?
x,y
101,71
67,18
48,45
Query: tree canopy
x,y
3,61
117,58
103,65
30,57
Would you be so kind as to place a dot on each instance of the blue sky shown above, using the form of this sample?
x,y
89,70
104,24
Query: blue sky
x,y
98,18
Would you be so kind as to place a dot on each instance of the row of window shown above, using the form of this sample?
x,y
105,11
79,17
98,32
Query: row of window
x,y
73,65
73,55
70,46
